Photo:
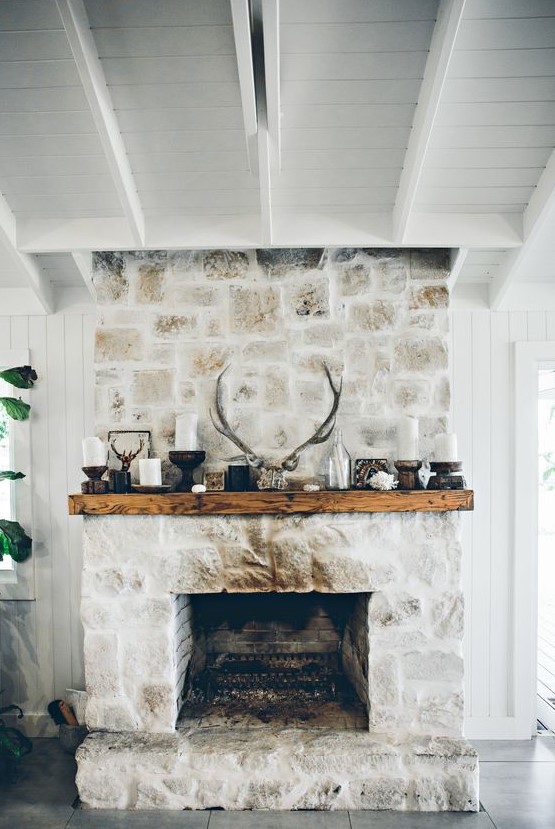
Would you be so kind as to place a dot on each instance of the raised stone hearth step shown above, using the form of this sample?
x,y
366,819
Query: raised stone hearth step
x,y
239,769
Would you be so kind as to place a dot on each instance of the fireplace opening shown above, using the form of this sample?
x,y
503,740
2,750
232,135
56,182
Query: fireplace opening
x,y
289,659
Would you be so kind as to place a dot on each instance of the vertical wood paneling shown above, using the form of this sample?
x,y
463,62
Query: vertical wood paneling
x,y
537,325
501,476
481,529
40,641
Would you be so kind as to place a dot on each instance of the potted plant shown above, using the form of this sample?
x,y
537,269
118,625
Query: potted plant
x,y
14,542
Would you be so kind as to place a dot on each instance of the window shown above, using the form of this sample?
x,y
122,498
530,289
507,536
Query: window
x,y
16,580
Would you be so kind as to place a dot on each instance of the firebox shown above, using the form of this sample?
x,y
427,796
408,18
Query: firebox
x,y
287,659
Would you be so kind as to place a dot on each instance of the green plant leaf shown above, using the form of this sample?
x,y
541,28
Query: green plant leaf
x,y
8,475
14,541
15,408
22,377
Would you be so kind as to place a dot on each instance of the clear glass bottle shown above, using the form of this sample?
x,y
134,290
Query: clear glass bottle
x,y
338,464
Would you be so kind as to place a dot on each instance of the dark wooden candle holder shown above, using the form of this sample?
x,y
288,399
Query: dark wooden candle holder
x,y
444,475
408,474
187,462
94,486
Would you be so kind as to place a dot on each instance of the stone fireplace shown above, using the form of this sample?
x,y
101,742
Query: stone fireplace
x,y
304,661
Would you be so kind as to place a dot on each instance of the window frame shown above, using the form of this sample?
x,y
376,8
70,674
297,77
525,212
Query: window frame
x,y
18,582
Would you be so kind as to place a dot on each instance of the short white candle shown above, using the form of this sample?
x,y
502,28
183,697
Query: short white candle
x,y
150,471
445,448
186,432
94,452
407,439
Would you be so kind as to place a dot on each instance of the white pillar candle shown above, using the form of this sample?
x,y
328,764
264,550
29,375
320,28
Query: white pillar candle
x,y
407,439
150,471
94,452
445,448
186,432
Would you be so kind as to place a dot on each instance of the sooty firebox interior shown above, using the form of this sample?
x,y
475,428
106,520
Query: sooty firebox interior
x,y
278,658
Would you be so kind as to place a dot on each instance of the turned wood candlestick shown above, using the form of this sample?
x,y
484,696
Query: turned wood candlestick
x,y
444,475
408,474
94,486
187,461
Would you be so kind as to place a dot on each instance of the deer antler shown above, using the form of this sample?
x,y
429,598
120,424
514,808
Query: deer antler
x,y
322,433
225,429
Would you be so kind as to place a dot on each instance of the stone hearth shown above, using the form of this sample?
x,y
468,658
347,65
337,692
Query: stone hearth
x,y
139,575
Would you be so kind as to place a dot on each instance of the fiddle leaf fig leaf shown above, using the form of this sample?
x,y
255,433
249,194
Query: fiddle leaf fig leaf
x,y
22,377
8,475
14,541
15,407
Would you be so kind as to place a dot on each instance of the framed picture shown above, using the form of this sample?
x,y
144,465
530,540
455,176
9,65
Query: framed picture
x,y
125,448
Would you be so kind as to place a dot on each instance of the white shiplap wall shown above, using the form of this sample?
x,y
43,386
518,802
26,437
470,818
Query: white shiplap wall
x,y
40,641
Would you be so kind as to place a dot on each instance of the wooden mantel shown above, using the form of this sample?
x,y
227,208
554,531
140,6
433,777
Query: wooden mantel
x,y
274,503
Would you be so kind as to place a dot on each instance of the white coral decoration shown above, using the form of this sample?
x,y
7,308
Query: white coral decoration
x,y
383,480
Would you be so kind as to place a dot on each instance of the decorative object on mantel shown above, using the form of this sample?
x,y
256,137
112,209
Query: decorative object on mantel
x,y
150,489
338,464
446,475
150,472
446,465
407,439
94,486
186,432
198,489
365,468
125,448
311,488
238,476
383,481
187,462
94,466
214,480
408,474
273,476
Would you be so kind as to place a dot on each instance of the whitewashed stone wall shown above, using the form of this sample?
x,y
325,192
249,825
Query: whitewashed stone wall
x,y
410,562
170,321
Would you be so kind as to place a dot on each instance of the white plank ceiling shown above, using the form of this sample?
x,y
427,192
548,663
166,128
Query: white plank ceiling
x,y
244,123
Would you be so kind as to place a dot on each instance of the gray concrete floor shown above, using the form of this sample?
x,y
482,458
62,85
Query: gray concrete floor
x,y
517,791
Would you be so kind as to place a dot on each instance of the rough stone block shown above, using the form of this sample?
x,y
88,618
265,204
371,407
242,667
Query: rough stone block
x,y
119,345
431,296
280,261
355,278
254,310
110,279
225,264
429,263
436,666
309,299
153,386
412,396
379,315
174,326
101,664
416,354
150,283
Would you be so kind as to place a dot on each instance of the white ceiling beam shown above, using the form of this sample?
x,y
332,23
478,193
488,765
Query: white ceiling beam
x,y
437,65
77,27
270,27
458,258
265,183
240,13
24,264
538,218
83,263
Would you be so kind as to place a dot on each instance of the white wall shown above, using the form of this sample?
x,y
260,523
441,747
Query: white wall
x,y
41,640
40,644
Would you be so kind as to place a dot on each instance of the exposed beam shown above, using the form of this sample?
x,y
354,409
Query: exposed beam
x,y
538,218
24,263
264,149
83,263
270,26
77,27
240,13
458,258
437,65
264,168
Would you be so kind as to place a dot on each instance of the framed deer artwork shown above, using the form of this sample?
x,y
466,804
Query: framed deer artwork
x,y
125,449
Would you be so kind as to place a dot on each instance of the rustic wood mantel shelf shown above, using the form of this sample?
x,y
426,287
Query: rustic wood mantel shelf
x,y
273,503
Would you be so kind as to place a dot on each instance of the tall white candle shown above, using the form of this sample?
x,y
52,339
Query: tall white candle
x,y
445,448
186,432
150,471
407,439
94,452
